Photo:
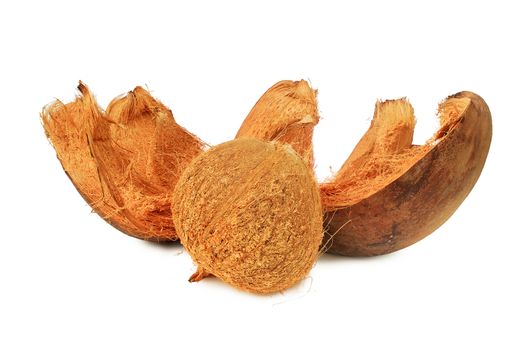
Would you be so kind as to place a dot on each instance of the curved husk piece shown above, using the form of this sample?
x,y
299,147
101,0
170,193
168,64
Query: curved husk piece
x,y
249,213
390,194
286,113
125,162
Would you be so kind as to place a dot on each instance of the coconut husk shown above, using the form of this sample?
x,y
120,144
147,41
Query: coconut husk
x,y
286,113
389,193
124,162
249,212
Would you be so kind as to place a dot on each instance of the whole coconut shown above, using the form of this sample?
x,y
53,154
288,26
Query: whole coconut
x,y
249,212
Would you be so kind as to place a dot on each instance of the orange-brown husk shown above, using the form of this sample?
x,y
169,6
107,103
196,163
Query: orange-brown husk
x,y
124,162
286,113
390,194
249,212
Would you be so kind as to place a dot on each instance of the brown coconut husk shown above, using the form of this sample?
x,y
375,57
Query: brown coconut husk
x,y
249,212
124,162
286,113
389,193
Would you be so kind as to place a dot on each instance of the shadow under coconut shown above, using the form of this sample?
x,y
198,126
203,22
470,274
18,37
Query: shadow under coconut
x,y
328,258
298,291
165,245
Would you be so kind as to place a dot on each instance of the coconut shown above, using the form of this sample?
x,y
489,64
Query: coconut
x,y
249,212
390,193
286,113
124,162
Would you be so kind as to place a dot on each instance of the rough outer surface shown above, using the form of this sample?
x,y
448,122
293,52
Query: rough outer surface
x,y
124,162
286,113
425,195
249,212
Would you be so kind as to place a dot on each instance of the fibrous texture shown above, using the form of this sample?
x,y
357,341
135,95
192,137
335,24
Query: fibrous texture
x,y
389,193
249,212
286,113
126,161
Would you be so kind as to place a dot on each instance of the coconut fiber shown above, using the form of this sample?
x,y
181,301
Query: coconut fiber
x,y
286,113
126,161
390,193
249,212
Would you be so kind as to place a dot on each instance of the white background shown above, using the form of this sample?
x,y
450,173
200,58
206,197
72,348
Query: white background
x,y
71,281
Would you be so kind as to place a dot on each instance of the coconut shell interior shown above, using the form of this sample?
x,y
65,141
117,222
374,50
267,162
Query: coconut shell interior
x,y
390,194
286,113
386,151
124,161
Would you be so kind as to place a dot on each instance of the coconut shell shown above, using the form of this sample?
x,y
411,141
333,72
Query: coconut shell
x,y
249,212
286,113
124,162
390,194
